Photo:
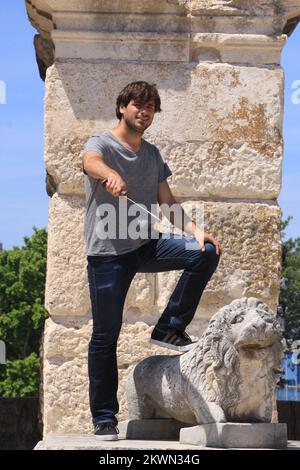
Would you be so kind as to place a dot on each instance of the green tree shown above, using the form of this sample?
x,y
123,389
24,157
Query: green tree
x,y
22,313
289,298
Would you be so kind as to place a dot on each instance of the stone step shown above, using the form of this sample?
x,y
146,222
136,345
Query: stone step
x,y
89,442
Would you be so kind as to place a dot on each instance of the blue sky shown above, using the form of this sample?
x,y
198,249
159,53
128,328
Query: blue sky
x,y
23,198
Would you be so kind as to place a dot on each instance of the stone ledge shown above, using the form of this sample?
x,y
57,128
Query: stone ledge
x,y
89,442
215,15
171,47
237,435
150,46
216,435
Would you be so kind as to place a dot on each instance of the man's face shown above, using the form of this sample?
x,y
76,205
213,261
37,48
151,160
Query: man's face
x,y
138,116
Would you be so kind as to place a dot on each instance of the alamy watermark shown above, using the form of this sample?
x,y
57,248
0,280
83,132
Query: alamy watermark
x,y
138,221
2,352
296,94
2,92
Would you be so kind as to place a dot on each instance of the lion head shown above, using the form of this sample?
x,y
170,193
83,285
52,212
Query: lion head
x,y
238,360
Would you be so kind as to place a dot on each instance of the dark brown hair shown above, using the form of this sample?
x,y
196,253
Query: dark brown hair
x,y
138,91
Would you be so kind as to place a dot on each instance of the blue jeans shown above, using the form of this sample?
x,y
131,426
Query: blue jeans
x,y
109,280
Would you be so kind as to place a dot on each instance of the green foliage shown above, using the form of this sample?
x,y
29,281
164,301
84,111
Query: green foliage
x,y
22,313
21,377
290,296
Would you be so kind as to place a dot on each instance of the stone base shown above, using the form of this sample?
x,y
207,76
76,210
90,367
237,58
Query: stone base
x,y
236,435
89,442
149,429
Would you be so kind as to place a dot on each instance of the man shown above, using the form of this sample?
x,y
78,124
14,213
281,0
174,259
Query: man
x,y
117,164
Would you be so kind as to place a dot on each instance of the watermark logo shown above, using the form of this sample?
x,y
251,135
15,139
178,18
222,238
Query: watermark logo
x,y
139,221
2,92
296,94
296,352
2,352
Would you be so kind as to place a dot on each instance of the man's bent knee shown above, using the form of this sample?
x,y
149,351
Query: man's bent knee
x,y
211,253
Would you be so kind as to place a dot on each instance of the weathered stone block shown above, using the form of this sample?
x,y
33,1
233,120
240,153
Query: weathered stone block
x,y
140,299
65,378
227,142
247,233
237,435
66,283
223,170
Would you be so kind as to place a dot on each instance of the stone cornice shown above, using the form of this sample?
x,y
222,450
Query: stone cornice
x,y
122,46
232,31
238,48
285,8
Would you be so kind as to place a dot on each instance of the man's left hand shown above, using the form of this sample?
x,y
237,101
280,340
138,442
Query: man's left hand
x,y
206,237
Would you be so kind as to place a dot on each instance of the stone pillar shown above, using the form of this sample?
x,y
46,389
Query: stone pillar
x,y
216,65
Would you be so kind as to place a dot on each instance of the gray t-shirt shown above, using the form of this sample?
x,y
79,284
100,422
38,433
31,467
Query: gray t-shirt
x,y
115,225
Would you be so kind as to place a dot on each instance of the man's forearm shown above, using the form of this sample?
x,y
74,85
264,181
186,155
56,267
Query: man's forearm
x,y
97,168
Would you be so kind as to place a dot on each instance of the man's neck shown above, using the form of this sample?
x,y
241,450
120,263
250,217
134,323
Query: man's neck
x,y
132,138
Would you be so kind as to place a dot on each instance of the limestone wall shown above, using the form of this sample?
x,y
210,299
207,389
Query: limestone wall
x,y
216,65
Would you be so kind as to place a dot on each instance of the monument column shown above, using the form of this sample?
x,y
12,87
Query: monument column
x,y
217,68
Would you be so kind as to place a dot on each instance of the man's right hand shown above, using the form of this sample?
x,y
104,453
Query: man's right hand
x,y
115,185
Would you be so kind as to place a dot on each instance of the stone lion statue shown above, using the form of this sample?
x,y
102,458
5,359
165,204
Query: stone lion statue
x,y
230,374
